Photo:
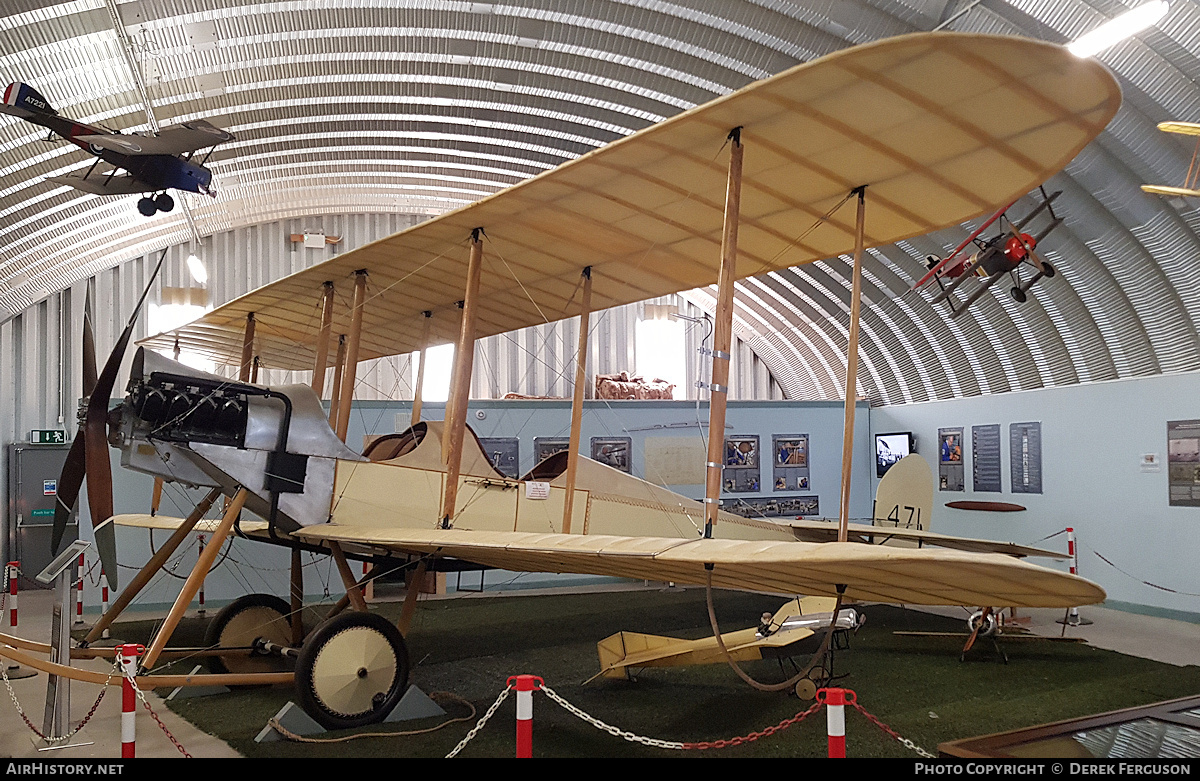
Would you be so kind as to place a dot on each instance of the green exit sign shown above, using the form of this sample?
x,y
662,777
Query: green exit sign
x,y
46,436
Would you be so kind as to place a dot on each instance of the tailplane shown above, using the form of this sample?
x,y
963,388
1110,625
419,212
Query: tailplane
x,y
22,100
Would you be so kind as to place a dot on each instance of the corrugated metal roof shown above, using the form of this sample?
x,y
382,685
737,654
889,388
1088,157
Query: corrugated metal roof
x,y
387,106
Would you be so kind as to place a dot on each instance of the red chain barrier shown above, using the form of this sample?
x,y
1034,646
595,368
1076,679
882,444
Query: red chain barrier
x,y
753,736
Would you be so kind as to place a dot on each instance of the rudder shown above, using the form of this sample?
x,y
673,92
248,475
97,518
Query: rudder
x,y
24,101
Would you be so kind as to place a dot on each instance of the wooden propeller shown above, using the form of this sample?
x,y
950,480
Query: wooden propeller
x,y
88,456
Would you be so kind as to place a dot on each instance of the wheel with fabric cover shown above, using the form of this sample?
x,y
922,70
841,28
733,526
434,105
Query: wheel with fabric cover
x,y
164,202
352,671
147,207
1019,295
239,624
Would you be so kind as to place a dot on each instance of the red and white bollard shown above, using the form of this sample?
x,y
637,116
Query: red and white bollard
x,y
13,568
835,718
79,592
526,684
1073,618
128,655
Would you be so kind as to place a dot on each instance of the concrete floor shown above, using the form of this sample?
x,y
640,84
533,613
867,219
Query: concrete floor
x,y
100,738
1160,639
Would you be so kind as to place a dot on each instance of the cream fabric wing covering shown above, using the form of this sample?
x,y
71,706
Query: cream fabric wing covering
x,y
940,127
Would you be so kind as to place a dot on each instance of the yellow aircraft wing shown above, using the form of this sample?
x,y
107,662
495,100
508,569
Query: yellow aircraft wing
x,y
170,523
940,127
1182,128
1178,192
869,572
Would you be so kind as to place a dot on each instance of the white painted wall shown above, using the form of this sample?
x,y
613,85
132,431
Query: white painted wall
x,y
1093,439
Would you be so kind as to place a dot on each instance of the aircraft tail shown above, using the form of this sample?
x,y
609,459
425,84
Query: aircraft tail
x,y
905,495
618,648
22,100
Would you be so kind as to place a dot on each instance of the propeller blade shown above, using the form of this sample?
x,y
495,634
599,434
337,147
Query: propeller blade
x,y
89,350
99,469
1029,253
69,482
75,467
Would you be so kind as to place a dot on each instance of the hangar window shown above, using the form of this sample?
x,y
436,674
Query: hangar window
x,y
659,345
179,306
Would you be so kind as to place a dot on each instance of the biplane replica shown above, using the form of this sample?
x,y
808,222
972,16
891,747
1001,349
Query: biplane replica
x,y
1001,255
988,624
154,163
718,193
1191,182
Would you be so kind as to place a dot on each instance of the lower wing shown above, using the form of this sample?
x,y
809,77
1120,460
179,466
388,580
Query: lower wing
x,y
873,573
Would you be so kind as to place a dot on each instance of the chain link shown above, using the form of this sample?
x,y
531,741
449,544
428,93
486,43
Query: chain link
x,y
908,744
655,742
462,744
50,739
753,736
142,696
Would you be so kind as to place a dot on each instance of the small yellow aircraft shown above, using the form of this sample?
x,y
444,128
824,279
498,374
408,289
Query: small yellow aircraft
x,y
779,635
1190,182
721,192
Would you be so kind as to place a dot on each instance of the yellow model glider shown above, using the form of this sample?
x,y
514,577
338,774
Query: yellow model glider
x,y
1192,180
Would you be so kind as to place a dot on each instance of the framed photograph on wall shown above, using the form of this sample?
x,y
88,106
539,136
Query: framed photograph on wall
x,y
613,451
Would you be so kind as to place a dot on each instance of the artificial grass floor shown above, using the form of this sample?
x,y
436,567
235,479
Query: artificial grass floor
x,y
917,686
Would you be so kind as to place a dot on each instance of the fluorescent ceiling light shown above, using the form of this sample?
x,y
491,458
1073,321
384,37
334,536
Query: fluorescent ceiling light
x,y
196,266
1118,29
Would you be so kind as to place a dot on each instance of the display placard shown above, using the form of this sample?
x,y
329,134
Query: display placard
x,y
775,506
1025,457
985,459
1183,463
950,459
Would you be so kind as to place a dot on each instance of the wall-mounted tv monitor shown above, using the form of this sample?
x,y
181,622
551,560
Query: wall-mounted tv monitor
x,y
890,448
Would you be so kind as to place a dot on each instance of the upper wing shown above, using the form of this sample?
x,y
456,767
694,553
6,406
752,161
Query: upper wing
x,y
915,118
868,572
173,140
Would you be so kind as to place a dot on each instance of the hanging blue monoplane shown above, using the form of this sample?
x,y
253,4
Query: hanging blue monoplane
x,y
154,163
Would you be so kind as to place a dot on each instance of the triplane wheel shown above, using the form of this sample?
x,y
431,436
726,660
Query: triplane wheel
x,y
239,624
352,671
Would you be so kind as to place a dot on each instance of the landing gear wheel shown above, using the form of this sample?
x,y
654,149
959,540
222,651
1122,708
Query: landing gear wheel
x,y
352,671
1048,270
1019,295
239,624
806,689
147,207
164,202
